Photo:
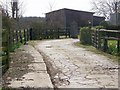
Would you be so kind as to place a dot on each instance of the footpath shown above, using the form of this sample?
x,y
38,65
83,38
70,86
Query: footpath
x,y
27,70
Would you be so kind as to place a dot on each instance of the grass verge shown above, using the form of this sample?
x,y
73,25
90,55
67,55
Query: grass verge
x,y
15,46
96,51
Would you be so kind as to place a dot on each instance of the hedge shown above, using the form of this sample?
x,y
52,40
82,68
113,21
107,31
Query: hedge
x,y
85,35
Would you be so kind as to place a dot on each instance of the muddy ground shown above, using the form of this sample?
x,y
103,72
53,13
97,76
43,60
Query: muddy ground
x,y
75,67
68,66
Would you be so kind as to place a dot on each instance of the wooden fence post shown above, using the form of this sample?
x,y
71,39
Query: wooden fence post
x,y
118,43
47,34
105,45
16,33
99,39
24,36
118,46
96,42
31,34
7,53
50,33
10,38
21,41
58,33
27,32
5,48
66,32
13,35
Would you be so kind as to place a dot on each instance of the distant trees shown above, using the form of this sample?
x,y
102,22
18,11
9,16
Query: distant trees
x,y
28,22
12,8
6,21
105,7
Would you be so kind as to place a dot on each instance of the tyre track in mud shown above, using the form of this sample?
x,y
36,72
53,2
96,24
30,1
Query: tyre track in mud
x,y
76,70
52,70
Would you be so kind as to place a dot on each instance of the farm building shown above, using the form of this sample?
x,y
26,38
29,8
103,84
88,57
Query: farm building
x,y
97,20
67,17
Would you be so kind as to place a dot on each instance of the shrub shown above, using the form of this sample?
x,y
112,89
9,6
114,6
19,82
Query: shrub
x,y
14,46
113,27
105,24
37,30
99,27
85,35
112,47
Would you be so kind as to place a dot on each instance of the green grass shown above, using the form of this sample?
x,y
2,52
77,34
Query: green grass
x,y
15,46
112,42
96,51
112,47
33,43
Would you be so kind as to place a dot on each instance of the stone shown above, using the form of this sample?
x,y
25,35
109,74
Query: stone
x,y
36,80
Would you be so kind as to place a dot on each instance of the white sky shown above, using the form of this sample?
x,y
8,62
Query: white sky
x,y
39,7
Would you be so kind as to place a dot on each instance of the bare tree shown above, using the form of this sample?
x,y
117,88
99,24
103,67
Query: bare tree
x,y
105,7
5,8
12,7
11,13
50,22
51,5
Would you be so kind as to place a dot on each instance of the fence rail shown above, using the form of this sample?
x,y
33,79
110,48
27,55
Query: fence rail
x,y
16,36
100,38
13,37
49,33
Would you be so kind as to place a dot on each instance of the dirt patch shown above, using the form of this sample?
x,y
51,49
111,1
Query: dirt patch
x,y
19,61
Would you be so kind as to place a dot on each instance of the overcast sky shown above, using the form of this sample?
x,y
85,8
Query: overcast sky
x,y
40,7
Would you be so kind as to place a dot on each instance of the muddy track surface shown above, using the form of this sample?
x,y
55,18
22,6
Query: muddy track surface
x,y
73,67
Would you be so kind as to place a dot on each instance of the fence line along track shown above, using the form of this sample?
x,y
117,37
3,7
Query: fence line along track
x,y
10,38
49,33
100,38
